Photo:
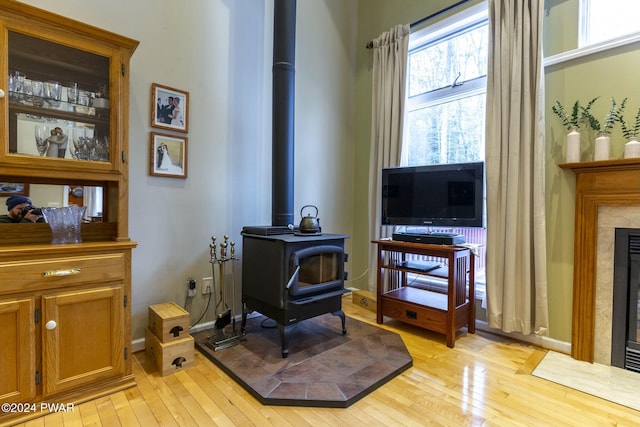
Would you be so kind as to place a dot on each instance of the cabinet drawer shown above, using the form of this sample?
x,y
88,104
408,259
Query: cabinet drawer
x,y
29,275
425,317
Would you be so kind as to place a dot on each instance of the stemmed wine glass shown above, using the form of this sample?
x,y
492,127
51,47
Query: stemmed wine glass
x,y
42,134
79,149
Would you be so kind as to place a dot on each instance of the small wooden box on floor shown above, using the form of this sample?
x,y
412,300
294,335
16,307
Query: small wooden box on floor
x,y
170,357
168,321
364,299
167,340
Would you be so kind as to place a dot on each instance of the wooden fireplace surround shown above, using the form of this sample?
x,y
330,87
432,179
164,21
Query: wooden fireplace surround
x,y
607,182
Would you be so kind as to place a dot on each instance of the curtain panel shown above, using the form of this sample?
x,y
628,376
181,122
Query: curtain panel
x,y
515,169
390,52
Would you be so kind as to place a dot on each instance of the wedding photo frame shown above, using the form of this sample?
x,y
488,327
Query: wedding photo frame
x,y
13,189
168,155
170,108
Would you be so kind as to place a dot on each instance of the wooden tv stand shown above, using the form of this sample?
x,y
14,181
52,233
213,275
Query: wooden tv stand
x,y
436,311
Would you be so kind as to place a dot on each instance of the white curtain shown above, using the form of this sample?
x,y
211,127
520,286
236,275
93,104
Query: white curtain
x,y
516,252
390,51
93,202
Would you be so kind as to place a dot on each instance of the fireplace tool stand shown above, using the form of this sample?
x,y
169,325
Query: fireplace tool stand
x,y
225,334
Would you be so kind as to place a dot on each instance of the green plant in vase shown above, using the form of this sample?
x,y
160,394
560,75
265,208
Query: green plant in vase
x,y
578,115
631,133
571,122
603,140
613,116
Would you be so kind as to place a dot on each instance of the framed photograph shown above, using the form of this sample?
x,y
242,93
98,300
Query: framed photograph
x,y
169,108
168,155
13,189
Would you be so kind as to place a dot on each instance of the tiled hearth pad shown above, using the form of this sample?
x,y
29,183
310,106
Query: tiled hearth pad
x,y
324,368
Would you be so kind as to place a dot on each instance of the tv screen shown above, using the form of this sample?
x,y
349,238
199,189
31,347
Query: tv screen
x,y
434,195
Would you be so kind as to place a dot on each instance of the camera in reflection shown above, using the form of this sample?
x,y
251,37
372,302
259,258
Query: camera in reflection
x,y
32,209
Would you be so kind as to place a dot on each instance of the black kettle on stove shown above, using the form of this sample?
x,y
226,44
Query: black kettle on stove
x,y
309,224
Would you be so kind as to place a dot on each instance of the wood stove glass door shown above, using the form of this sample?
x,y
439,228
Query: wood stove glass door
x,y
321,268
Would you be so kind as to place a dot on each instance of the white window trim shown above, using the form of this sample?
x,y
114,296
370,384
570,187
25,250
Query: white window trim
x,y
571,55
462,19
447,94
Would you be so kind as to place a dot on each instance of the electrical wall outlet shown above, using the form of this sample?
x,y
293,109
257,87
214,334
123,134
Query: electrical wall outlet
x,y
207,285
191,285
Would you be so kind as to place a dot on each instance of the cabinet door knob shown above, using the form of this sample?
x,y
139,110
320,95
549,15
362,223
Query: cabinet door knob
x,y
51,325
1,93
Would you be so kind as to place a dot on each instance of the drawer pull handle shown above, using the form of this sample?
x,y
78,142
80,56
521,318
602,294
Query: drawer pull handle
x,y
61,273
51,325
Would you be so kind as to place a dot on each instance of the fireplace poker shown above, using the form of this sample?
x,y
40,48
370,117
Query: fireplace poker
x,y
223,311
213,259
224,318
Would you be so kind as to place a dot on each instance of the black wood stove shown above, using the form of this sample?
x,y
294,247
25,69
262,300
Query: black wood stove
x,y
288,276
292,277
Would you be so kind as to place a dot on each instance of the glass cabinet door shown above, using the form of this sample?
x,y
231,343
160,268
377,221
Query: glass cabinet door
x,y
58,101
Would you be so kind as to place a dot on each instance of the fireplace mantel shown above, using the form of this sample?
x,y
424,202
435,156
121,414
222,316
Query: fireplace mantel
x,y
606,182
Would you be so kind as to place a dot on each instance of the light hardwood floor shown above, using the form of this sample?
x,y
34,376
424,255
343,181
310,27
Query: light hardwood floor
x,y
485,380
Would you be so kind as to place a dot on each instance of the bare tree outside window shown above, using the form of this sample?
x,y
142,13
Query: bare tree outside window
x,y
447,87
447,80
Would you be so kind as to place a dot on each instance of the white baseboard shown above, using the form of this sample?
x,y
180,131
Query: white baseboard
x,y
542,341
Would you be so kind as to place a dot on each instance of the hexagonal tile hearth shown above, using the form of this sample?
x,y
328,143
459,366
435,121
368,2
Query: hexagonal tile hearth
x,y
324,367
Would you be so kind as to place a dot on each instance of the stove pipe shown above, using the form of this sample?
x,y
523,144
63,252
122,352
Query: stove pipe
x,y
284,46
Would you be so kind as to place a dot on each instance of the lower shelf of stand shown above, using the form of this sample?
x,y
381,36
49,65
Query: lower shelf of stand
x,y
422,308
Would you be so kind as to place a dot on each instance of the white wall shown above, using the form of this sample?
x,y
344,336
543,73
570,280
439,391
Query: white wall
x,y
220,52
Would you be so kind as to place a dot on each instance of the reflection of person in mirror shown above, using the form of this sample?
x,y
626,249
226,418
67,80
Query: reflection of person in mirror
x,y
57,143
18,211
176,114
166,165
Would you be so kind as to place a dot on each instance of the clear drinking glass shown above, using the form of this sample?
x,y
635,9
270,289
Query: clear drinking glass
x,y
41,134
53,92
37,92
72,93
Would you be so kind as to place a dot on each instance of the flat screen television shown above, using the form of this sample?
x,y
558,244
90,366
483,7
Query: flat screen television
x,y
434,195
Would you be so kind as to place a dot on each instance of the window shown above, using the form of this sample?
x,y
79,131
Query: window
x,y
447,81
604,20
446,89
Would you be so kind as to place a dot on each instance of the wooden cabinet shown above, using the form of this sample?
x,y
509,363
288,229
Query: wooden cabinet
x,y
67,319
444,306
75,356
39,48
17,356
65,307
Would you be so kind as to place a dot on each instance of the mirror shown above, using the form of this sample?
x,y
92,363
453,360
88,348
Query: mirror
x,y
46,195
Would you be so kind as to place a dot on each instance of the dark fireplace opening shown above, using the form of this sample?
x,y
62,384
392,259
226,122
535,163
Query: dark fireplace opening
x,y
625,338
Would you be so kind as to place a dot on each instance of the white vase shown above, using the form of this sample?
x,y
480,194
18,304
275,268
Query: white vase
x,y
632,148
603,147
573,146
